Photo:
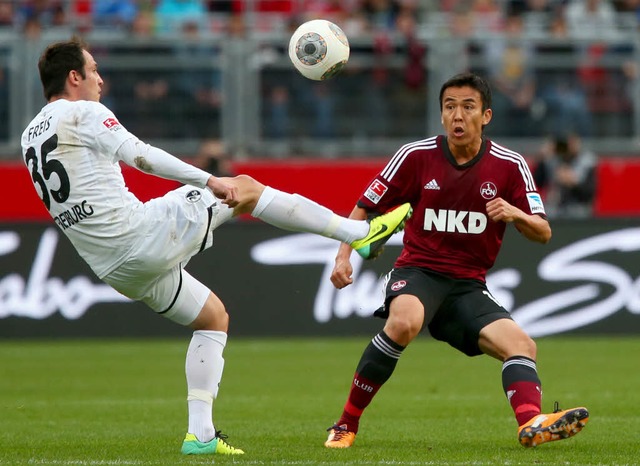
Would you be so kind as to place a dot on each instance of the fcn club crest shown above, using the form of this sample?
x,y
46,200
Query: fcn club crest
x,y
398,285
488,190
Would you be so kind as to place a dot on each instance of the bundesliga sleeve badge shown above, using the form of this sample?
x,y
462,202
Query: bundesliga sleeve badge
x,y
375,191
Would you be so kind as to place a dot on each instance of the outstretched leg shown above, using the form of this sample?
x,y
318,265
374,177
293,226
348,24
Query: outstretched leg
x,y
294,212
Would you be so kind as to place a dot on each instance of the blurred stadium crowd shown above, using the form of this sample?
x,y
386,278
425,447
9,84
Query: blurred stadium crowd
x,y
188,70
355,16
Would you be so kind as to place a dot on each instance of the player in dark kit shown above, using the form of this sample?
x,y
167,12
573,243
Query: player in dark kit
x,y
464,190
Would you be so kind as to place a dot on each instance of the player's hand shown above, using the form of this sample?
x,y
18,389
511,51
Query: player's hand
x,y
223,190
342,273
500,210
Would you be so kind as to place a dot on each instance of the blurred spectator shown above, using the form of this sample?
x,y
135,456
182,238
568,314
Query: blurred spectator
x,y
49,13
236,26
384,18
409,102
197,92
278,123
295,95
510,59
488,16
274,6
605,71
591,19
119,14
143,24
4,106
381,14
566,177
213,158
631,73
354,23
533,6
142,98
454,54
172,15
332,10
536,13
415,71
32,29
379,83
223,6
6,13
566,107
631,7
628,6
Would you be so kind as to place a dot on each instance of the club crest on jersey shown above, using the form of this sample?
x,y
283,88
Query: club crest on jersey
x,y
488,190
112,124
398,285
535,203
375,191
193,196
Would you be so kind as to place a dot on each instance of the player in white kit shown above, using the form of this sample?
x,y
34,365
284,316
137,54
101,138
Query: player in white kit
x,y
72,149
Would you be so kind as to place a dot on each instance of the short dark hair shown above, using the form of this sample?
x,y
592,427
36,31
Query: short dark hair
x,y
472,80
57,61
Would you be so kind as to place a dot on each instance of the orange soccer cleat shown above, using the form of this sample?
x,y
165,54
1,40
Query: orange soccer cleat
x,y
545,428
340,437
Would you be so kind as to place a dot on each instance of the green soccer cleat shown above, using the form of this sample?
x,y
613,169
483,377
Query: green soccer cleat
x,y
381,228
216,446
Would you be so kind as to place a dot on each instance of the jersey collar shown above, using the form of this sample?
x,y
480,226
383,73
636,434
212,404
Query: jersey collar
x,y
449,156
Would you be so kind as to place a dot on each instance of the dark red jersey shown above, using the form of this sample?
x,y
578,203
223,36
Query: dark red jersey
x,y
450,231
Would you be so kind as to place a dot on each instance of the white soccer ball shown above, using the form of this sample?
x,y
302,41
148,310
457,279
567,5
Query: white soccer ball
x,y
319,49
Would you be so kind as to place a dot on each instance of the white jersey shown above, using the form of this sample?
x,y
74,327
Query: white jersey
x,y
73,150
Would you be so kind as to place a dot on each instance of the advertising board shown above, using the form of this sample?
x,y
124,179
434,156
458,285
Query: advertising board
x,y
275,283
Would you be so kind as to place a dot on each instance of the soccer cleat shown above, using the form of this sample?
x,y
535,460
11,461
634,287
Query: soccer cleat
x,y
217,446
545,428
339,437
381,228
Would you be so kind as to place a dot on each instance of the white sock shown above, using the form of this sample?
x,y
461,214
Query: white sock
x,y
298,213
204,366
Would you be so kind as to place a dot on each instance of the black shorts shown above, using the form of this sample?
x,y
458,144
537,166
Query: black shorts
x,y
455,309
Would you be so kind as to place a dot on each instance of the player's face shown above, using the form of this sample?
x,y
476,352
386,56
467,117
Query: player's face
x,y
91,85
462,115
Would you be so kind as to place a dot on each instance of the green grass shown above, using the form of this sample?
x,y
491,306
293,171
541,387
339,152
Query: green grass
x,y
123,403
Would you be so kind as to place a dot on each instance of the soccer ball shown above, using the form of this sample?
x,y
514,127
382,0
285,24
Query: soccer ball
x,y
319,49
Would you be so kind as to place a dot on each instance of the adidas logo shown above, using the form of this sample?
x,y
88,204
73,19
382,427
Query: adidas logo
x,y
433,184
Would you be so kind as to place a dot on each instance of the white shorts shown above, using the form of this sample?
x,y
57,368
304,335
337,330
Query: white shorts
x,y
177,226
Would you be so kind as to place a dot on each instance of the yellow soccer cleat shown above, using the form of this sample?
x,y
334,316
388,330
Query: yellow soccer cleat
x,y
216,446
340,437
381,228
545,428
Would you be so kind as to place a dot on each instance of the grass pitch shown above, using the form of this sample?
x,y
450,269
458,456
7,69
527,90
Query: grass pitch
x,y
123,403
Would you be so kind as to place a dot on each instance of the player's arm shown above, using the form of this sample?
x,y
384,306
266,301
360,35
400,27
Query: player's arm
x,y
157,162
533,227
342,274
